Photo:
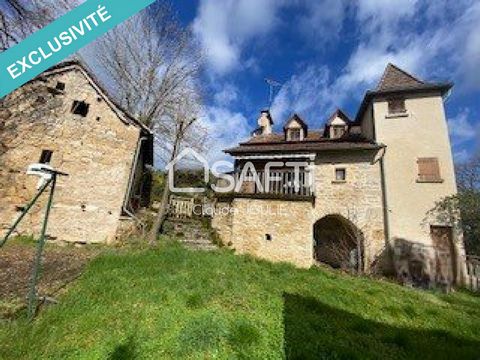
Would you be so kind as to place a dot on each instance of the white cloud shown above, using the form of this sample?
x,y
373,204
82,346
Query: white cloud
x,y
461,156
408,33
434,40
225,26
461,128
463,132
384,14
322,20
470,57
225,128
304,93
226,95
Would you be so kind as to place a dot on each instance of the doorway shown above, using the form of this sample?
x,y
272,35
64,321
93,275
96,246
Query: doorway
x,y
445,255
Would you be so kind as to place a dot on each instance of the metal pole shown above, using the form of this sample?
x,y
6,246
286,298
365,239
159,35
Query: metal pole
x,y
32,295
24,212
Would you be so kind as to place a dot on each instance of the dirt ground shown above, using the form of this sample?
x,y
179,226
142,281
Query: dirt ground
x,y
60,265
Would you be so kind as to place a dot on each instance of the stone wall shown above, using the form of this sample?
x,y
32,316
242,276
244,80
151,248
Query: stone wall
x,y
247,223
275,230
357,199
222,221
97,151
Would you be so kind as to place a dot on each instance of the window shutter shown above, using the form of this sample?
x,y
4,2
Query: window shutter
x,y
428,169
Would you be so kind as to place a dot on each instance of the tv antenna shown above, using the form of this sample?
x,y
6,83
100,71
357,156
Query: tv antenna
x,y
272,85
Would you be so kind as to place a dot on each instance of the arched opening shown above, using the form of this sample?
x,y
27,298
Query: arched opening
x,y
338,243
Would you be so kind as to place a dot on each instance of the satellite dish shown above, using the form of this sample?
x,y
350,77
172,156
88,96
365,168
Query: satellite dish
x,y
43,171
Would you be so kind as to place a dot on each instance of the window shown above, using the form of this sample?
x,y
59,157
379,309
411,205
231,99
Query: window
x,y
45,157
80,108
60,86
337,131
428,170
396,106
340,174
268,237
294,134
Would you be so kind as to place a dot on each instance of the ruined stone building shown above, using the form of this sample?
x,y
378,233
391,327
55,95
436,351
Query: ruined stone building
x,y
65,119
364,189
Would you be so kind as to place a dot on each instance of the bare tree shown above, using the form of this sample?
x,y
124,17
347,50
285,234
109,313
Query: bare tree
x,y
20,18
152,65
468,174
183,121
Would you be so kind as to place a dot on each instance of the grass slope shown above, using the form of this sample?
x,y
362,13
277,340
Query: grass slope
x,y
173,303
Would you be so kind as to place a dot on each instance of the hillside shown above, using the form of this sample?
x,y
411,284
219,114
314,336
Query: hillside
x,y
174,303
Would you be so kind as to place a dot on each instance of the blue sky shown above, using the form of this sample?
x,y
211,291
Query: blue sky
x,y
327,53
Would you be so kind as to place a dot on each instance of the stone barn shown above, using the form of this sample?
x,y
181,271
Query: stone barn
x,y
64,118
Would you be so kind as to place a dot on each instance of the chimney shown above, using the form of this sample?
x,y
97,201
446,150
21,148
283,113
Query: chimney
x,y
265,122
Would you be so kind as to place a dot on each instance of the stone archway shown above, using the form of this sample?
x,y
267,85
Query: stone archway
x,y
338,243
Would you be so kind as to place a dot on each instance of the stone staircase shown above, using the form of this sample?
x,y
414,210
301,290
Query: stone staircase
x,y
192,233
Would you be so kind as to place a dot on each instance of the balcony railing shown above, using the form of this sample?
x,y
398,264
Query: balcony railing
x,y
278,183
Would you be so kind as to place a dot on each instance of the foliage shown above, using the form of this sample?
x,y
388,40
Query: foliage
x,y
158,184
171,303
183,178
463,211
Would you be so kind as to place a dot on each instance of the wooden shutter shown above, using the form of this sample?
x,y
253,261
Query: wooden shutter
x,y
428,170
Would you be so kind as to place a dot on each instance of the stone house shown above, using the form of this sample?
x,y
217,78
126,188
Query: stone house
x,y
64,118
363,189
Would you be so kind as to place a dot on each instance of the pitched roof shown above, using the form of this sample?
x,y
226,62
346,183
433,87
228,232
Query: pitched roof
x,y
298,119
280,138
351,143
393,78
338,113
315,141
123,114
396,81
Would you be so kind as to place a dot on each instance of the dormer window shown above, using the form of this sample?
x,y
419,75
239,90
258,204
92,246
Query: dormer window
x,y
294,134
295,129
337,131
396,106
337,125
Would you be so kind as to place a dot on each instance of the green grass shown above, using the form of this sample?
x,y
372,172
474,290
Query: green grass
x,y
172,303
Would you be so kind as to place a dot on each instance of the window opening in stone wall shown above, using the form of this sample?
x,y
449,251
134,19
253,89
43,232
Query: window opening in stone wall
x,y
340,174
46,157
60,86
80,108
268,237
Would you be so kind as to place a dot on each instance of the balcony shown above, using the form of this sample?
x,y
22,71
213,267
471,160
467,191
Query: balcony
x,y
281,184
